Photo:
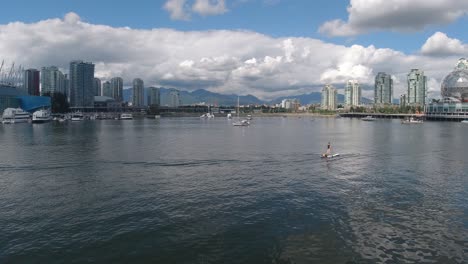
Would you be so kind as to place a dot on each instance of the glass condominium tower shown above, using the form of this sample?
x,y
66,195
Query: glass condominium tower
x,y
138,93
417,88
154,96
329,97
383,93
117,89
352,93
81,84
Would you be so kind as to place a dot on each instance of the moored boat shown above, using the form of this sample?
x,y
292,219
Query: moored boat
x,y
41,116
412,120
15,115
126,116
77,116
368,118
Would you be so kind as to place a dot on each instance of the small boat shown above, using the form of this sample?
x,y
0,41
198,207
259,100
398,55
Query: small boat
x,y
229,116
464,121
412,120
15,115
77,116
241,123
207,115
41,116
368,118
126,116
249,117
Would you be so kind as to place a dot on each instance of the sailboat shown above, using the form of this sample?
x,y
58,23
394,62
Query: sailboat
x,y
240,122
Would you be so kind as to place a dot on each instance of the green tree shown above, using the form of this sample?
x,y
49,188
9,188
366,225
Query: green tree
x,y
59,102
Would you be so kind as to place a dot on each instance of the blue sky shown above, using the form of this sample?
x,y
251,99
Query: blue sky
x,y
267,48
277,18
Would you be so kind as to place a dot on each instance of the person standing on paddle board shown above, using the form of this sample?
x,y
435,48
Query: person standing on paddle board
x,y
328,153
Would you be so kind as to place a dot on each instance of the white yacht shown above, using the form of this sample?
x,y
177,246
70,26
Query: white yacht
x,y
77,116
241,123
15,115
368,118
412,120
126,116
41,116
207,115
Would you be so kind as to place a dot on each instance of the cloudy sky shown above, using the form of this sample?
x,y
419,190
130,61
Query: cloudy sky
x,y
267,48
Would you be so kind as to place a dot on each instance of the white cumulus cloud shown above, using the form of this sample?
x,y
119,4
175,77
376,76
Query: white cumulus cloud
x,y
183,9
209,7
224,61
395,15
440,44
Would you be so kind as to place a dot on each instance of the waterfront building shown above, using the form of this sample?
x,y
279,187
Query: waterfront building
x,y
154,97
417,88
12,97
174,98
403,100
106,89
352,93
52,80
138,93
31,81
116,85
329,97
383,89
81,84
454,91
106,104
97,87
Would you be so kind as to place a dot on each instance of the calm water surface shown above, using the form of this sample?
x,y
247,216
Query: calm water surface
x,y
202,191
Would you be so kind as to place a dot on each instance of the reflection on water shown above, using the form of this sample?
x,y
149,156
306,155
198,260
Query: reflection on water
x,y
202,191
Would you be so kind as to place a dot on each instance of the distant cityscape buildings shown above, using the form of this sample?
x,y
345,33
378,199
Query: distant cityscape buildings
x,y
31,81
116,85
329,97
352,93
106,89
97,87
417,88
53,81
383,89
154,97
81,84
174,98
138,93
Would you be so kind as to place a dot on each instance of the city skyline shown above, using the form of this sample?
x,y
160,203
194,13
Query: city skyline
x,y
190,54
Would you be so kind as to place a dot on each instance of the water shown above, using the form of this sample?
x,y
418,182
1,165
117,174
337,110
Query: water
x,y
202,191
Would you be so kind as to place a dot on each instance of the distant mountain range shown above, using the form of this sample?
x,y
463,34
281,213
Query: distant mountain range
x,y
208,97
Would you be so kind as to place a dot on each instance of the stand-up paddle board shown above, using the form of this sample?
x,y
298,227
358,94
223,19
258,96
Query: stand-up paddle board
x,y
329,156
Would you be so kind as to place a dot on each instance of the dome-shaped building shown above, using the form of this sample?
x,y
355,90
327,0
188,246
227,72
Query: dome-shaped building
x,y
455,85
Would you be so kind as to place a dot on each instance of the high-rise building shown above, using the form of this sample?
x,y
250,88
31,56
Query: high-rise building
x,y
106,89
174,98
383,93
52,81
31,81
138,93
403,100
154,96
417,88
117,89
97,87
81,84
352,93
329,97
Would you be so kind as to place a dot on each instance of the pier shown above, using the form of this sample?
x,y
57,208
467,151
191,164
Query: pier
x,y
456,117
